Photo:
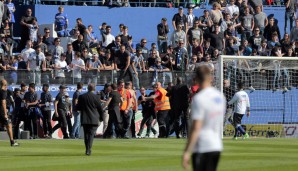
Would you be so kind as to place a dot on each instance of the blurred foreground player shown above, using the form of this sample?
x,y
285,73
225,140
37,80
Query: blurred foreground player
x,y
205,138
4,119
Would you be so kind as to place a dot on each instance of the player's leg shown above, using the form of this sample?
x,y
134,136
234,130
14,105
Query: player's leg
x,y
7,123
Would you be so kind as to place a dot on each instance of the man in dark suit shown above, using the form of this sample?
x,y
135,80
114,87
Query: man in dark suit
x,y
91,112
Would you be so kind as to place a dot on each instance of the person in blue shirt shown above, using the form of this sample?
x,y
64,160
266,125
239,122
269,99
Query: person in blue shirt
x,y
61,22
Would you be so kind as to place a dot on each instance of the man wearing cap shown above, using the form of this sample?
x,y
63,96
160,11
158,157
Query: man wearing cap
x,y
45,105
60,66
180,18
91,113
60,110
93,67
162,37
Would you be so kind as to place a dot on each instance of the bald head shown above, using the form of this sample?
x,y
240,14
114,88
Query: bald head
x,y
158,85
91,87
3,84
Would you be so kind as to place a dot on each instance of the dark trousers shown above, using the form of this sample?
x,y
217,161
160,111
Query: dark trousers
x,y
205,161
162,123
181,116
46,120
69,125
30,123
62,123
147,119
89,133
126,122
133,124
115,124
17,118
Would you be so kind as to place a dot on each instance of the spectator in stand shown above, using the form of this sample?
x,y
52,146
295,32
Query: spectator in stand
x,y
25,23
215,14
264,50
205,23
60,67
180,18
3,64
83,30
162,37
85,55
122,59
12,10
192,63
28,51
177,35
31,99
108,61
125,36
158,68
93,67
151,60
47,38
137,65
247,49
153,48
77,66
274,41
61,22
70,54
231,49
271,28
4,46
217,39
194,33
260,19
13,67
43,46
181,57
114,46
45,105
167,60
255,3
191,18
294,32
56,49
47,75
232,8
79,44
285,42
36,62
107,37
74,37
256,39
93,39
196,47
145,51
247,24
289,13
33,28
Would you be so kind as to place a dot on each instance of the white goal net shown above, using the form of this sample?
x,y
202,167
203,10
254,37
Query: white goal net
x,y
271,83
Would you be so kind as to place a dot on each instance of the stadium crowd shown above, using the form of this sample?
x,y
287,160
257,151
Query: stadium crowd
x,y
239,28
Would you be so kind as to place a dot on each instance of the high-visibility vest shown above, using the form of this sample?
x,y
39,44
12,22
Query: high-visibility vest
x,y
124,99
164,102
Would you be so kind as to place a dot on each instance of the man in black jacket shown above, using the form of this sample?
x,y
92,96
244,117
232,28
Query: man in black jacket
x,y
91,112
163,30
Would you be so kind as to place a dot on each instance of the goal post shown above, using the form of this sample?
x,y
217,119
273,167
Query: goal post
x,y
271,83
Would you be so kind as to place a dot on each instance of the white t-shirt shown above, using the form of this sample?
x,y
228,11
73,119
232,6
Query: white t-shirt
x,y
240,101
26,53
209,106
33,32
109,38
77,70
232,9
63,65
32,61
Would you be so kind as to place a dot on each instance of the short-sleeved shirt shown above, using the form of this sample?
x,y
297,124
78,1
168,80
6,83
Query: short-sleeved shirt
x,y
115,99
61,101
148,105
122,59
180,19
30,97
3,96
61,21
260,19
44,98
75,96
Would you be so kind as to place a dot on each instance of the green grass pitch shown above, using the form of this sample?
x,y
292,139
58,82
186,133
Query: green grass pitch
x,y
144,155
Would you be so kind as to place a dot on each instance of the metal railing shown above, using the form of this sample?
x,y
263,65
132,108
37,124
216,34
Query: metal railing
x,y
146,79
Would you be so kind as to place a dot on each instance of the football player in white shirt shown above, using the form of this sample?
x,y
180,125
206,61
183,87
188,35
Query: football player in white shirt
x,y
241,106
208,109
